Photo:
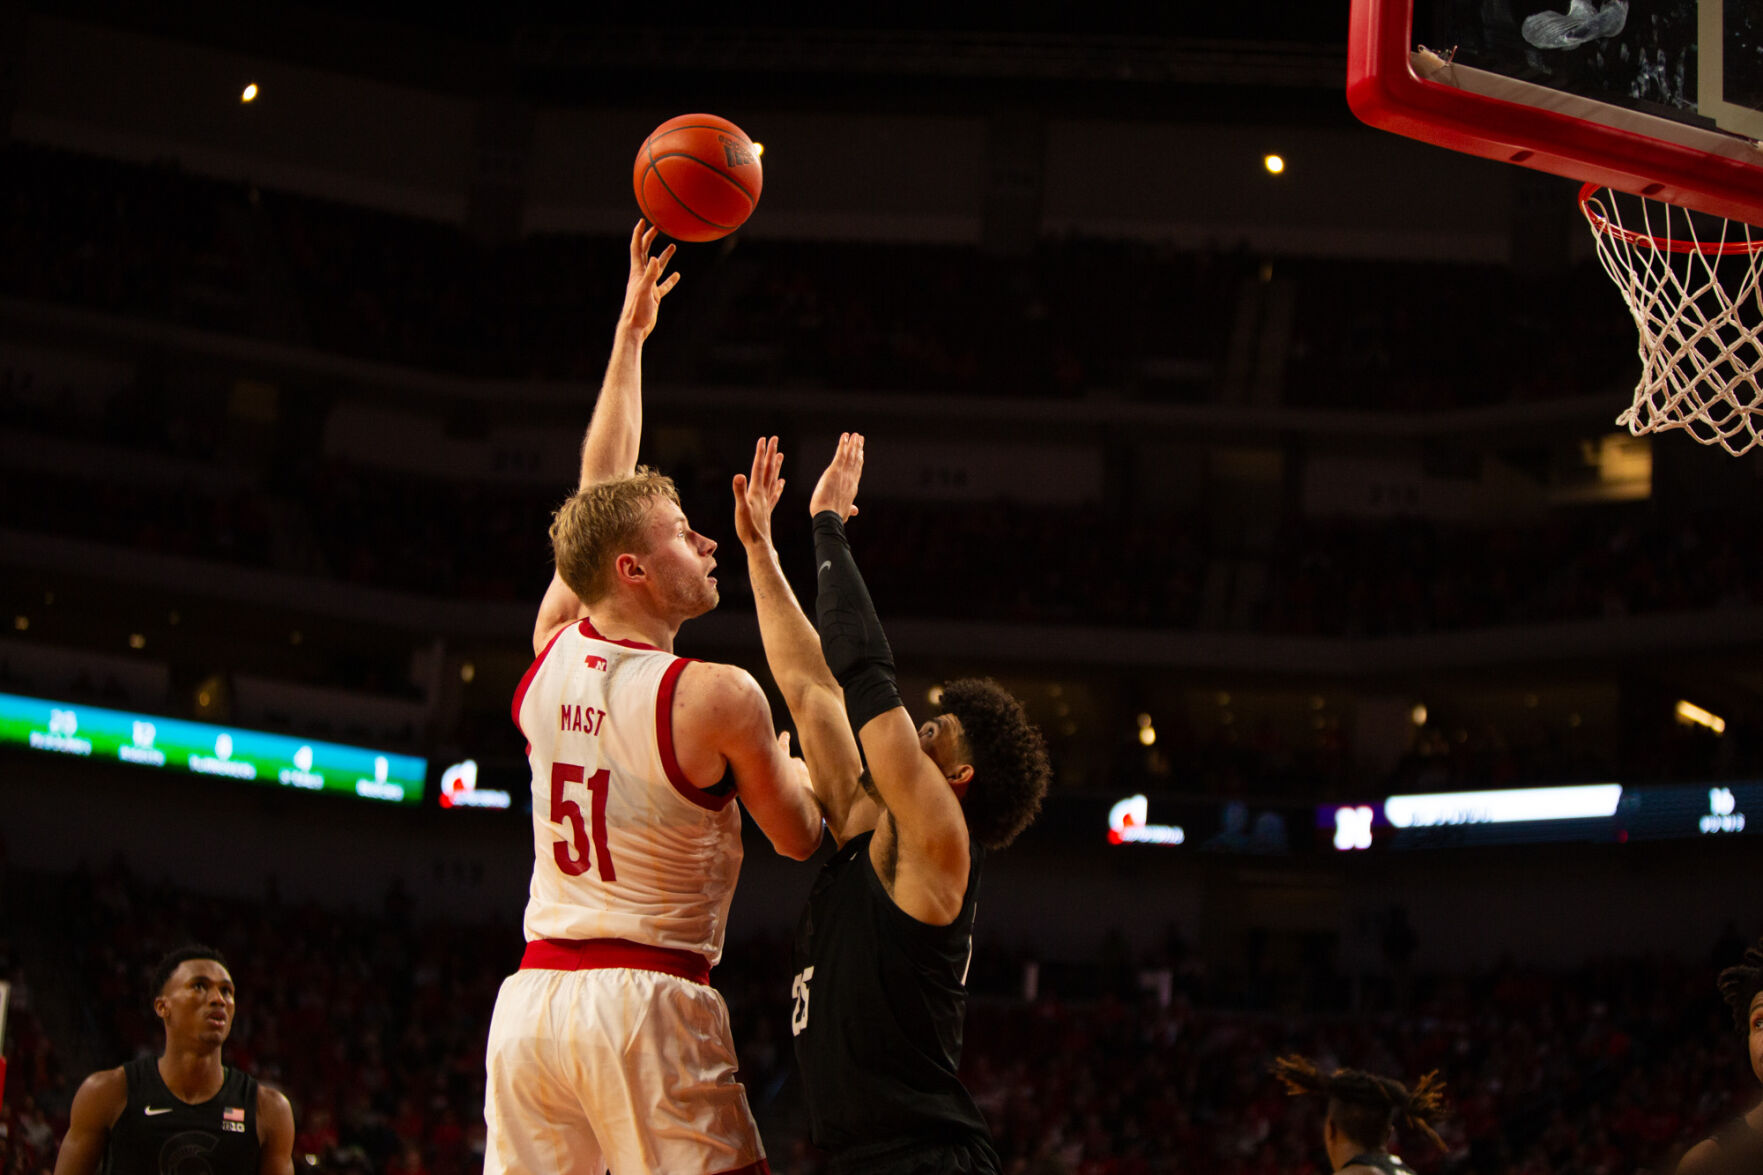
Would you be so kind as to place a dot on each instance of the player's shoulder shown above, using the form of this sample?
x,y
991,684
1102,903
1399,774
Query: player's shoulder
x,y
272,1102
719,697
1699,1158
718,679
104,1093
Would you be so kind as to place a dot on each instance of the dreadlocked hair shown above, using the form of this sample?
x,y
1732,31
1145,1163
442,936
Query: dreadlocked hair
x,y
1363,1105
1740,983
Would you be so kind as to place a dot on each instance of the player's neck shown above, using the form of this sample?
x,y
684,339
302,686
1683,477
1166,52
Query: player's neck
x,y
618,620
192,1074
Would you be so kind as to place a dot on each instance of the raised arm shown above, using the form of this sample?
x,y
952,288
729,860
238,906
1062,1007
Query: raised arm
x,y
96,1106
792,649
927,813
609,449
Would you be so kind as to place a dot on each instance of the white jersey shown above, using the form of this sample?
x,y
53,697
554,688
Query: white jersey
x,y
624,846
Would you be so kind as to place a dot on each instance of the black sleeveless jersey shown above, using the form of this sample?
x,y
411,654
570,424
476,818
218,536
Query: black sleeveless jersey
x,y
879,1002
159,1135
1741,1147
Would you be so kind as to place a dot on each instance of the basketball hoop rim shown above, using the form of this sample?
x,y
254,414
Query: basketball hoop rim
x,y
1601,223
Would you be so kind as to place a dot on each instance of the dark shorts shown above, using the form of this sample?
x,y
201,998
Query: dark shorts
x,y
971,1156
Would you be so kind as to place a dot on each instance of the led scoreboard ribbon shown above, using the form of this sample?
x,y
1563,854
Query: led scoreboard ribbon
x,y
1607,813
171,744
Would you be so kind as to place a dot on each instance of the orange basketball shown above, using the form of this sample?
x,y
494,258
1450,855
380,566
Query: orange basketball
x,y
697,177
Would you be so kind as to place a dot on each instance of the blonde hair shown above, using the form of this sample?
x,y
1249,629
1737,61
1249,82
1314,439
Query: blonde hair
x,y
598,523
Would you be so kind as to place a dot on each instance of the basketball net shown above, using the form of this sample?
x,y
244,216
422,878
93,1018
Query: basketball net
x,y
1692,284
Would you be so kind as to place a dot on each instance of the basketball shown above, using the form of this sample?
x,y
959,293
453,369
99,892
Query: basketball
x,y
697,177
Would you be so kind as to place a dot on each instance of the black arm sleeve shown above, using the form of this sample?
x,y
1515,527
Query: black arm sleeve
x,y
851,636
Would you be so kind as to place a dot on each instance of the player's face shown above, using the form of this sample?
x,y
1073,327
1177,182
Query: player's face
x,y
197,1002
1756,1035
941,740
680,560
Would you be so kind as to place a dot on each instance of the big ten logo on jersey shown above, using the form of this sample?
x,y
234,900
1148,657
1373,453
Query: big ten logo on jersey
x,y
233,1119
580,719
734,152
799,993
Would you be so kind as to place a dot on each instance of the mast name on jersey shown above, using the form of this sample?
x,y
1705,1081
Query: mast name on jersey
x,y
584,719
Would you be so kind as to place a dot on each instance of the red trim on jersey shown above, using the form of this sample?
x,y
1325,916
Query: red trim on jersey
x,y
762,1167
597,954
532,671
592,633
664,742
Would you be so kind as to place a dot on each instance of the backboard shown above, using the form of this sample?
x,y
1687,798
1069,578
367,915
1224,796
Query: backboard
x,y
1661,98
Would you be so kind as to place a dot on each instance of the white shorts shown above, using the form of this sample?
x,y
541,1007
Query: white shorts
x,y
620,1069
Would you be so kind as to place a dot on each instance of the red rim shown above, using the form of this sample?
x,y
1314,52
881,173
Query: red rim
x,y
1603,224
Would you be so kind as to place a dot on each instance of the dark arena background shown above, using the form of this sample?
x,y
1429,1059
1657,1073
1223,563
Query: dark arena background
x,y
1275,496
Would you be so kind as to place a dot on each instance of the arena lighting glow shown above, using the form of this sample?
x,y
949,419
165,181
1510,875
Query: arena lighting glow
x,y
1126,825
1352,828
199,748
1274,164
1510,806
249,94
459,789
1723,815
1691,713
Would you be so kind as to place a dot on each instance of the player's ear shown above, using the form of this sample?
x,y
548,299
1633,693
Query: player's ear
x,y
959,779
628,568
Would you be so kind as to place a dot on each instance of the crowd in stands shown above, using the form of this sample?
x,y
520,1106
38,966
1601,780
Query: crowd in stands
x,y
374,1024
1072,318
1085,565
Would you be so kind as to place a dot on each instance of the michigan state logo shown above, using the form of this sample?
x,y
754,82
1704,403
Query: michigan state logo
x,y
735,152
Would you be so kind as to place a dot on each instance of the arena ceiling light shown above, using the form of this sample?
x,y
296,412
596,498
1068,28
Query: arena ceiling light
x,y
1691,714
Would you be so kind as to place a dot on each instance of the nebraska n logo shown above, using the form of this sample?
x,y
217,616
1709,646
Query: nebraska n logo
x,y
735,152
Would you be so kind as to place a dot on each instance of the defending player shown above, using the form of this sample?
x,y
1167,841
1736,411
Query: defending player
x,y
883,946
1362,1112
1738,1145
182,1110
609,1047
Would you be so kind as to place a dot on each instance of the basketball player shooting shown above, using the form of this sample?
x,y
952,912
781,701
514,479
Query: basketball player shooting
x,y
609,1048
882,949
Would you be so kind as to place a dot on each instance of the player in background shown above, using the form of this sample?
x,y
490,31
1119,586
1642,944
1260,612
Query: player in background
x,y
608,1047
1738,1145
882,949
1363,1109
182,1110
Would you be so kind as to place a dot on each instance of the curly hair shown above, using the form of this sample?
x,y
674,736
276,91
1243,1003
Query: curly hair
x,y
173,960
598,523
1363,1105
1740,983
1009,758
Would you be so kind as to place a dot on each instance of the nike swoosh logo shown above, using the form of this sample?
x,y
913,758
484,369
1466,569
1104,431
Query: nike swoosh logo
x,y
824,566
151,1112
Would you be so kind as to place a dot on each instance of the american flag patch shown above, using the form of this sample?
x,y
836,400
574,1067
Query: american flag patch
x,y
234,1114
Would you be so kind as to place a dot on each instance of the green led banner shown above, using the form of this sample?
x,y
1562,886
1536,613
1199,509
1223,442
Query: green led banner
x,y
170,744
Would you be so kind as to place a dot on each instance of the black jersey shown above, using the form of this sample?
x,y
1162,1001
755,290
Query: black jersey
x,y
1382,1161
159,1135
1740,1148
880,999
